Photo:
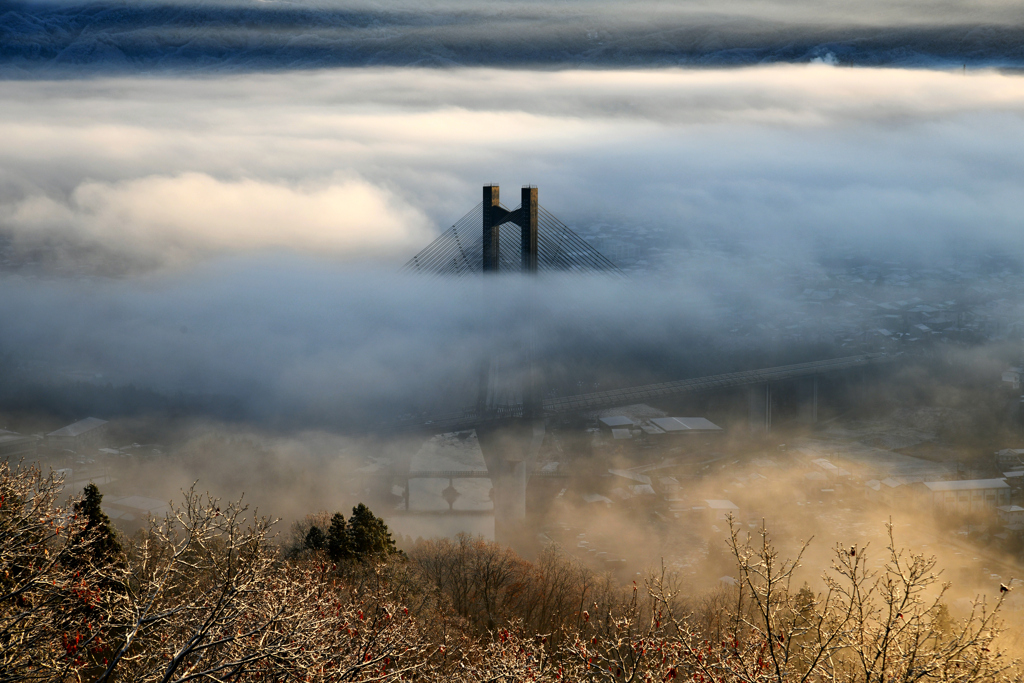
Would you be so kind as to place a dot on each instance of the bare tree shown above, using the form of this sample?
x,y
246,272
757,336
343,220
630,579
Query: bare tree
x,y
898,632
868,626
208,597
480,580
205,594
53,594
203,598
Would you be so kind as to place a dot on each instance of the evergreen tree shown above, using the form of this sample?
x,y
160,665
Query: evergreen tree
x,y
368,534
338,542
804,602
315,538
97,525
943,624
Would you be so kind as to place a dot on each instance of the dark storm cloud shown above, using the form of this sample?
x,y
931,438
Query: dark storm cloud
x,y
72,37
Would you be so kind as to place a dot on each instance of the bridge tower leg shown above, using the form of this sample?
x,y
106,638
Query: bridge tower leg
x,y
492,207
526,216
510,451
528,228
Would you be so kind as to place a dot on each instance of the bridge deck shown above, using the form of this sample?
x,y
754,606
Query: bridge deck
x,y
447,474
469,418
616,397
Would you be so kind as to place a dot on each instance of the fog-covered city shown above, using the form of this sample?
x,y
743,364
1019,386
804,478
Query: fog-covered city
x,y
720,379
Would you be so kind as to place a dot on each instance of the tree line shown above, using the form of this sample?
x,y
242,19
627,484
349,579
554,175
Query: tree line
x,y
208,593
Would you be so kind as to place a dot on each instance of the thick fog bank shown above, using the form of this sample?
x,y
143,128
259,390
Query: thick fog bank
x,y
296,342
122,176
233,243
81,37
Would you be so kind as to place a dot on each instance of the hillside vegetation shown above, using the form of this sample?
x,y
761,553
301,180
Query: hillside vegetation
x,y
208,594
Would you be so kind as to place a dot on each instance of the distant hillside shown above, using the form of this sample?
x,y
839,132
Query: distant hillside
x,y
118,37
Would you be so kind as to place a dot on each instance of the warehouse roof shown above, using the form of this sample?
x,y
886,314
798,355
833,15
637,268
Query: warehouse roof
x,y
79,428
684,424
967,485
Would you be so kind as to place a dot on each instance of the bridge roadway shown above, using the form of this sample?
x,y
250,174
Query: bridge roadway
x,y
469,418
465,474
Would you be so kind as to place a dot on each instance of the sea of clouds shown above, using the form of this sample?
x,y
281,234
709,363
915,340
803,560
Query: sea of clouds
x,y
210,222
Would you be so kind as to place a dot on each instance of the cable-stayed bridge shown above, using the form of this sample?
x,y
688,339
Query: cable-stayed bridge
x,y
511,408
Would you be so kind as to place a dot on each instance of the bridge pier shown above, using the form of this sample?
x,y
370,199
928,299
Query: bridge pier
x,y
807,400
759,402
510,451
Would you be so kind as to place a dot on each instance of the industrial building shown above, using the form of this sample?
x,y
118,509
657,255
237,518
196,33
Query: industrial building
x,y
88,433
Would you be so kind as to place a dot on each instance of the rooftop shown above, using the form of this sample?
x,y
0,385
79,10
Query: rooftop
x,y
630,474
79,428
9,437
967,485
596,498
684,424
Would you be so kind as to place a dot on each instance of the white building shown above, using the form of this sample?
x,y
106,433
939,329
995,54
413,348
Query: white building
x,y
685,425
720,509
1011,516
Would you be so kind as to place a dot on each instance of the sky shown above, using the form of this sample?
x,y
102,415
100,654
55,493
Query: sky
x,y
217,197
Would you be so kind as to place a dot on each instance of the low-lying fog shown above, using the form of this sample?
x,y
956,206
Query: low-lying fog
x,y
228,246
240,235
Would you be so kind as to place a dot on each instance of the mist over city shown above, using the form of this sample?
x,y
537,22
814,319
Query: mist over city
x,y
719,378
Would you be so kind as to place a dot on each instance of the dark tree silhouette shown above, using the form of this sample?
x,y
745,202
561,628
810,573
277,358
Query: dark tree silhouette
x,y
315,538
105,545
368,535
338,542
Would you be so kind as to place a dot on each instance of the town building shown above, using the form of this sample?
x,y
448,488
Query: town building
x,y
1011,516
969,495
78,436
721,509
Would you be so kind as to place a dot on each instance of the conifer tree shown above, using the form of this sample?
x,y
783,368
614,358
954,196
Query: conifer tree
x,y
315,538
338,542
105,544
368,534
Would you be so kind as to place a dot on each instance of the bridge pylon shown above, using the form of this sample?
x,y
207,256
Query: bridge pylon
x,y
510,435
494,215
510,447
